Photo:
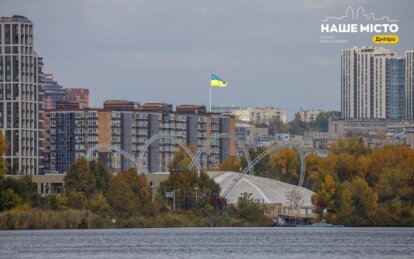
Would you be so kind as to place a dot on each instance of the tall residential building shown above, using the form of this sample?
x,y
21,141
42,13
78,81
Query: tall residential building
x,y
395,88
370,83
128,125
80,95
52,91
409,84
20,68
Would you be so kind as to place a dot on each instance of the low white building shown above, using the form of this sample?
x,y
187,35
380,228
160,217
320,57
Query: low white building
x,y
272,193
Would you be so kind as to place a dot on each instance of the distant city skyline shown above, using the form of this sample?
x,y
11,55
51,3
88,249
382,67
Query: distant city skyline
x,y
159,51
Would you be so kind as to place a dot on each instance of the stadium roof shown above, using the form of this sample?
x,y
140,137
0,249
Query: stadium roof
x,y
263,189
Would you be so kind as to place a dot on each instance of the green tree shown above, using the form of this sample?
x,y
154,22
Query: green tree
x,y
251,210
9,199
297,126
102,176
276,125
80,178
3,149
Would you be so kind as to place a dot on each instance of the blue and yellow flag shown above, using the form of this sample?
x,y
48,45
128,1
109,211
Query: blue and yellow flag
x,y
217,81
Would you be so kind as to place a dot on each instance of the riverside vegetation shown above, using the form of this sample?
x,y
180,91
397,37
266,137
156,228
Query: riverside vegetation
x,y
353,185
95,198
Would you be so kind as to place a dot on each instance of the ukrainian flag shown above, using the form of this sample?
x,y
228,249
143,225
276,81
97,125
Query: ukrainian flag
x,y
217,81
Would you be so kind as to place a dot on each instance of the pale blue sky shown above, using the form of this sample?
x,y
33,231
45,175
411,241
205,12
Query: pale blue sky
x,y
163,51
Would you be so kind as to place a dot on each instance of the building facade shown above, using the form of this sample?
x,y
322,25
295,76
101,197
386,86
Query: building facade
x,y
395,89
51,90
309,115
260,114
128,126
409,84
363,82
80,95
20,68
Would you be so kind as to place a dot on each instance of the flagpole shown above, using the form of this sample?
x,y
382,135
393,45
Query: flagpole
x,y
210,91
210,97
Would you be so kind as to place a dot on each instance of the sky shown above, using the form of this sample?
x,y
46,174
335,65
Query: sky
x,y
269,52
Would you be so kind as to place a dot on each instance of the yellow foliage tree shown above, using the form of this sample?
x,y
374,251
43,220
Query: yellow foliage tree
x,y
231,164
286,164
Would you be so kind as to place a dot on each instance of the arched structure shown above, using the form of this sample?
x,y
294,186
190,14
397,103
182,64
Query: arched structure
x,y
157,137
112,147
267,152
220,136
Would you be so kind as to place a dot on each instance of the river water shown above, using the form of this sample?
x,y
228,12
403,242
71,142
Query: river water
x,y
210,243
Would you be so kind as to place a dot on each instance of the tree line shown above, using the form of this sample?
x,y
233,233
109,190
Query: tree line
x,y
353,185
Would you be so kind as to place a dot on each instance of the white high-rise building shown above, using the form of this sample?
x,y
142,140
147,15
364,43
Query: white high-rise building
x,y
409,83
19,95
364,82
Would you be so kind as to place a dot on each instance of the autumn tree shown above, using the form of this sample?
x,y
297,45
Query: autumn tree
x,y
324,196
286,165
262,167
128,194
186,184
231,164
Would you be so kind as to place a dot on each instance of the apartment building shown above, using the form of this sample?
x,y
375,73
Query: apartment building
x,y
128,126
20,116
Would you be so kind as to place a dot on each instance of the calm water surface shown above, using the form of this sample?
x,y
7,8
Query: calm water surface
x,y
210,243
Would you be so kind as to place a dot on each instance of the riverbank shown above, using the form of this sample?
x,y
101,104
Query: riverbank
x,y
85,219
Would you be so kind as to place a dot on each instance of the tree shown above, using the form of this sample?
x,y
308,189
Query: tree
x,y
122,198
80,178
128,193
317,168
297,126
364,200
276,125
262,167
9,199
295,198
3,149
231,164
250,210
353,146
181,160
285,163
102,176
99,204
321,122
324,196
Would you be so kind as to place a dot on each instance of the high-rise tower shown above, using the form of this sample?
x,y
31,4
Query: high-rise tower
x,y
19,94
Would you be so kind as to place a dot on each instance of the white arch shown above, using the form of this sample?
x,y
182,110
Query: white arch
x,y
220,136
89,154
267,152
154,138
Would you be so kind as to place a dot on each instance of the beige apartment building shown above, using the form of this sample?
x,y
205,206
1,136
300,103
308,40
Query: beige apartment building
x,y
260,114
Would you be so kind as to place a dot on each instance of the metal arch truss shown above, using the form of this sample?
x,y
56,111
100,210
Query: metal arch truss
x,y
267,152
157,137
217,137
112,147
